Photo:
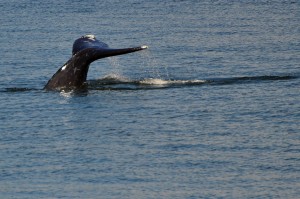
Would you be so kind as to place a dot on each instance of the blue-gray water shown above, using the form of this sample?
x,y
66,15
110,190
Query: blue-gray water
x,y
211,110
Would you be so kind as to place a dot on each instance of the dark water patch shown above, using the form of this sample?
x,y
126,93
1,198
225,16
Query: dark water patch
x,y
15,89
250,79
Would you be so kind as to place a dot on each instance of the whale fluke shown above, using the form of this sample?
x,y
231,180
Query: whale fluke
x,y
73,73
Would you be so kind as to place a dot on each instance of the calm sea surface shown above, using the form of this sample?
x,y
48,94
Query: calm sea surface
x,y
210,110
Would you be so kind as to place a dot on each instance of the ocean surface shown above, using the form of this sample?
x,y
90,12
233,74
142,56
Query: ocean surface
x,y
210,110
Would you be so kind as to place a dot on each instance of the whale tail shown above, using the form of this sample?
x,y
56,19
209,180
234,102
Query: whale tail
x,y
98,49
86,49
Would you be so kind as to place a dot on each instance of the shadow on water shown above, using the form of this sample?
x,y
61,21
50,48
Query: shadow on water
x,y
253,79
115,82
119,83
14,89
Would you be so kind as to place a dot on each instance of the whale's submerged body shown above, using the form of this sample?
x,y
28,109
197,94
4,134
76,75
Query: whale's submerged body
x,y
73,74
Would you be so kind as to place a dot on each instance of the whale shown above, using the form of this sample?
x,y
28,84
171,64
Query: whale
x,y
86,49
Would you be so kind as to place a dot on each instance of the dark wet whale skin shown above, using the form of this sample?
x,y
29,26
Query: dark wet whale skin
x,y
73,73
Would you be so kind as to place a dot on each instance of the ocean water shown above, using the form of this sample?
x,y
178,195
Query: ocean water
x,y
210,110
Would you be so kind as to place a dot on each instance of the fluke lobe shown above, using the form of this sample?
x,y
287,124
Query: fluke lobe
x,y
72,75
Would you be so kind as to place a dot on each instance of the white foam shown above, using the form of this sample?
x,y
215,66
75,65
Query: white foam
x,y
144,47
153,81
66,94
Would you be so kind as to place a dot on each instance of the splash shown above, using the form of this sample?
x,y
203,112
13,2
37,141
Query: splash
x,y
151,81
115,64
66,94
115,78
152,67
